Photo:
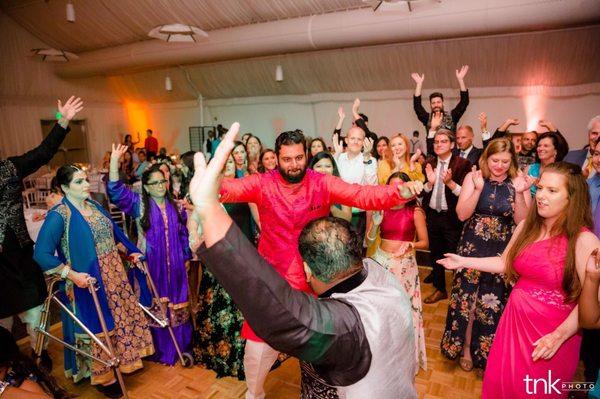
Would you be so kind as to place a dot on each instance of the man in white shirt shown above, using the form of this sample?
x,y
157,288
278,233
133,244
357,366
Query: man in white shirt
x,y
356,165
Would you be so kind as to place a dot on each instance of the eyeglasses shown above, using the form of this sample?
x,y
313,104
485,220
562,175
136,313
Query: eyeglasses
x,y
156,183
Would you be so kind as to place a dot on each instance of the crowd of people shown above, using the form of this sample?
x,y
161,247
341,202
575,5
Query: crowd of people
x,y
310,251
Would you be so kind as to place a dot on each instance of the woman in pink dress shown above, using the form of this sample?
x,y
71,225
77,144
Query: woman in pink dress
x,y
536,347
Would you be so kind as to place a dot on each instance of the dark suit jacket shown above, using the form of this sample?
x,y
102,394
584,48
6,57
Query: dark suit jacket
x,y
473,155
460,167
577,157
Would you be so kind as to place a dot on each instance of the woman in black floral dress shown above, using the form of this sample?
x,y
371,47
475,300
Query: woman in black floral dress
x,y
217,343
492,202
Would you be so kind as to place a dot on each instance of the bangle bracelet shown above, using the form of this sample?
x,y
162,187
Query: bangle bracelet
x,y
58,115
65,271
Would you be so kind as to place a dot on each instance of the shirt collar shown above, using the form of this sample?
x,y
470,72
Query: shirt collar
x,y
468,150
347,285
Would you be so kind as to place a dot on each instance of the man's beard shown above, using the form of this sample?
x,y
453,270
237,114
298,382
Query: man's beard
x,y
292,179
438,109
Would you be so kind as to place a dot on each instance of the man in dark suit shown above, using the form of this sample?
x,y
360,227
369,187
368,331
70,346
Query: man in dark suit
x,y
464,145
583,157
445,175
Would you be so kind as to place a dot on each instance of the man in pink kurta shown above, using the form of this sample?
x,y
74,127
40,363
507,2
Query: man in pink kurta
x,y
287,199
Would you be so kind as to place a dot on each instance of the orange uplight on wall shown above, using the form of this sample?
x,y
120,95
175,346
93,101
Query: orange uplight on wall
x,y
535,106
137,118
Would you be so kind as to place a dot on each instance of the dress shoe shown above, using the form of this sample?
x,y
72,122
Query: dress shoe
x,y
435,297
428,279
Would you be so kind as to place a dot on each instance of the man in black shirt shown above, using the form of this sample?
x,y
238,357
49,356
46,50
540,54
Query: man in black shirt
x,y
22,284
440,118
356,338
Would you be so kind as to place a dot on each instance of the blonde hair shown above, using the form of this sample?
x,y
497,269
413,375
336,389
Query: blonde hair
x,y
497,146
390,157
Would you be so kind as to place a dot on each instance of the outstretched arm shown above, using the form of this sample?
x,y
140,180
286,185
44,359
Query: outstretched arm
x,y
461,107
34,159
246,189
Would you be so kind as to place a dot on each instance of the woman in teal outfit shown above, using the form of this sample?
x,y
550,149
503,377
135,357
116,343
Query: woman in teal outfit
x,y
551,147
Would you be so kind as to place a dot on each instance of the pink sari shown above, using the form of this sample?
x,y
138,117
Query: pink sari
x,y
535,308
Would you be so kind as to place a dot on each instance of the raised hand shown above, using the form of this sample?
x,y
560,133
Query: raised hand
x,y
512,122
337,146
447,176
452,261
548,345
592,269
483,121
410,189
377,217
522,182
414,158
367,145
117,151
341,113
356,105
204,186
70,108
548,125
418,78
477,177
436,120
460,74
431,174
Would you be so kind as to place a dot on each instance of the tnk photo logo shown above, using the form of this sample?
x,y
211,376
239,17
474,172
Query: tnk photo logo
x,y
550,386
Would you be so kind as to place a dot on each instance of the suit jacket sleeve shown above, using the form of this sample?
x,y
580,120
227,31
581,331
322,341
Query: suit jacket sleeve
x,y
34,159
327,333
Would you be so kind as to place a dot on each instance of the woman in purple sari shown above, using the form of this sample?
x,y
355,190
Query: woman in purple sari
x,y
163,237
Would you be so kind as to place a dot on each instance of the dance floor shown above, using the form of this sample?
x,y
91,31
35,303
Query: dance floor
x,y
443,379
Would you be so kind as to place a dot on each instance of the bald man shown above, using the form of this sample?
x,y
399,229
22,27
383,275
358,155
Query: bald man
x,y
464,145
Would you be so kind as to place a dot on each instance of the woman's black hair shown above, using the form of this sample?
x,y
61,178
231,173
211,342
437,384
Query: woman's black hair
x,y
23,367
64,174
321,155
405,178
558,141
145,217
187,159
381,138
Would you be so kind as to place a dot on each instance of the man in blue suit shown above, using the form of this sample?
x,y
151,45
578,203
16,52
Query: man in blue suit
x,y
583,157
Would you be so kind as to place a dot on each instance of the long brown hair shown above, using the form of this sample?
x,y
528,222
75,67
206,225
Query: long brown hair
x,y
494,147
576,215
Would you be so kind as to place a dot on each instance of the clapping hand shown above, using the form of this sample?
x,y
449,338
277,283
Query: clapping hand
x,y
436,120
483,121
415,158
431,174
367,145
522,182
452,261
447,176
548,125
477,177
71,107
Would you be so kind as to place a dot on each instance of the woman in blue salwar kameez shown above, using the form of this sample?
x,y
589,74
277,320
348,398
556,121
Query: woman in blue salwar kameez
x,y
77,241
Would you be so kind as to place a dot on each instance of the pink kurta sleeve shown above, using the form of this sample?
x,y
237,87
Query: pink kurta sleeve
x,y
246,189
369,198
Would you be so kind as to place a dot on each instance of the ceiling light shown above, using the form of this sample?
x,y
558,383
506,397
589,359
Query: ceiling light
x,y
178,33
53,55
168,84
70,12
279,73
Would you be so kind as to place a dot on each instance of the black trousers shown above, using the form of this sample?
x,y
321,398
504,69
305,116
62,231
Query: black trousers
x,y
359,221
590,354
444,231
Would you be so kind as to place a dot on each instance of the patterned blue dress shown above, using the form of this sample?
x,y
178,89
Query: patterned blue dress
x,y
485,233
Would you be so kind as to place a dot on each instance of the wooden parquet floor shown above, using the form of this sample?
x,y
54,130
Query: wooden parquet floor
x,y
443,379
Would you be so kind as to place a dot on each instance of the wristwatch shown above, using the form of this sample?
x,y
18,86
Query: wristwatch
x,y
368,162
